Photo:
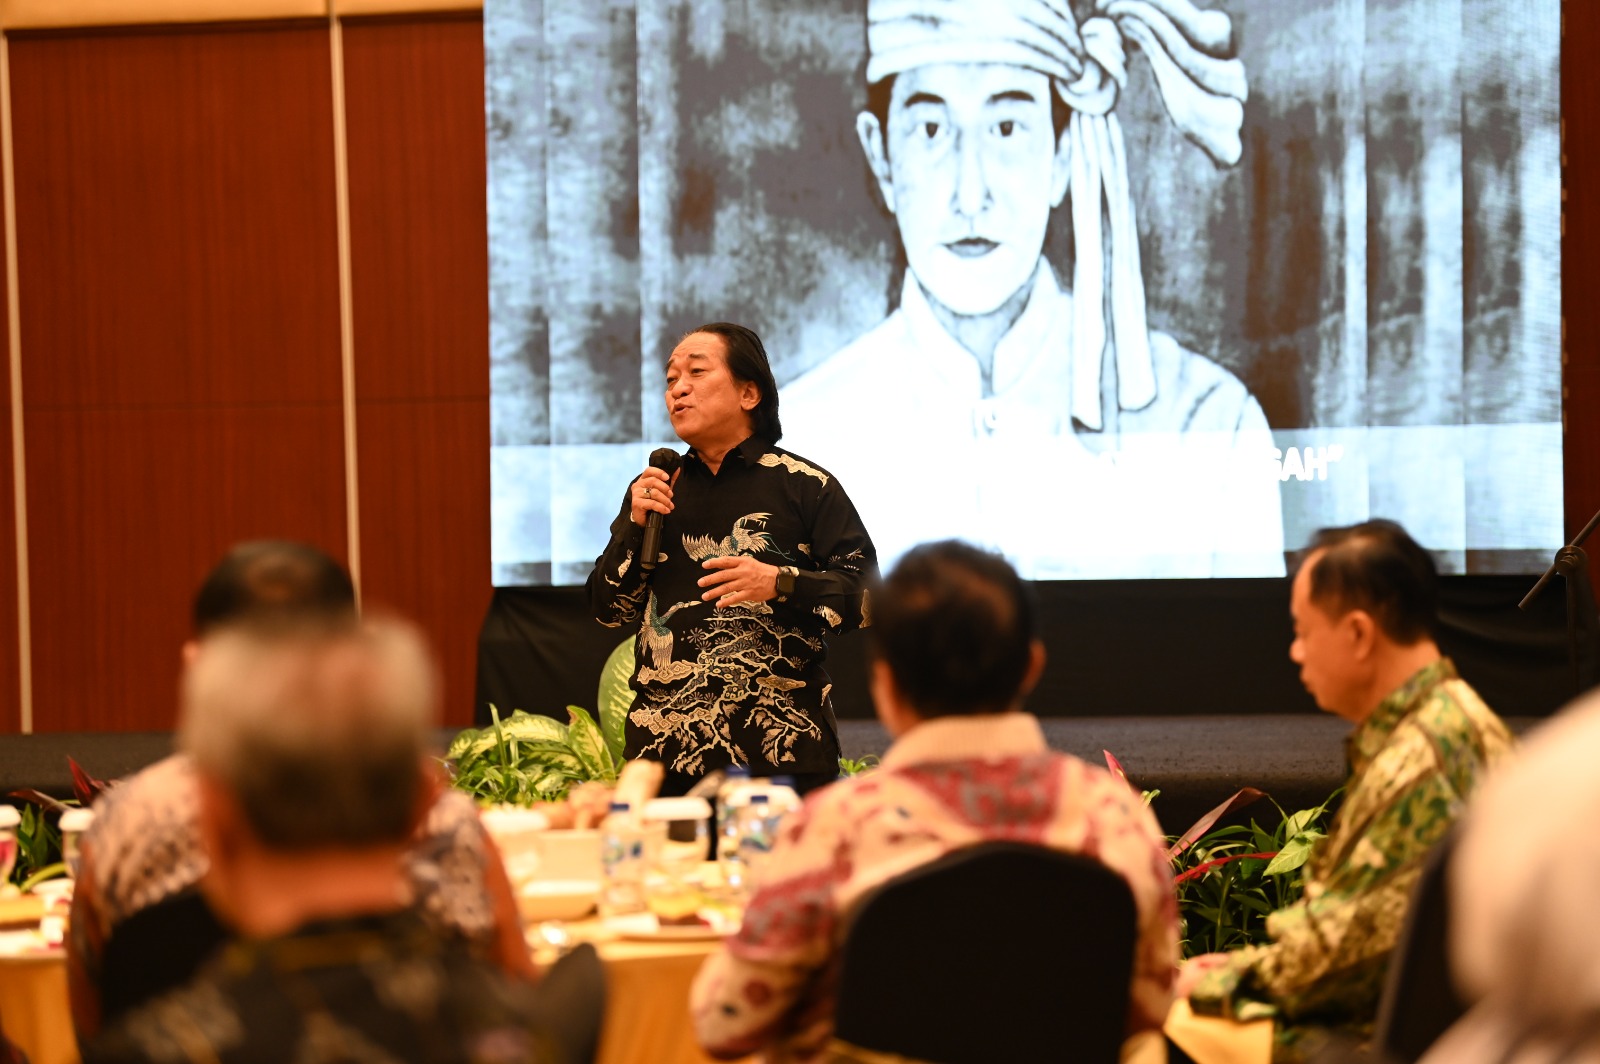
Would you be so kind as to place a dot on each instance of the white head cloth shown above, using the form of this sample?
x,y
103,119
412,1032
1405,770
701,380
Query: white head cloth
x,y
1202,88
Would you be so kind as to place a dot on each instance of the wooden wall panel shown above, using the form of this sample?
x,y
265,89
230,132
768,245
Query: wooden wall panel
x,y
418,208
180,330
141,504
419,261
425,527
59,14
10,683
176,217
1580,270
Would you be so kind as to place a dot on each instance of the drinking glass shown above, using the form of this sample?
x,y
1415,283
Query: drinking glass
x,y
74,822
673,881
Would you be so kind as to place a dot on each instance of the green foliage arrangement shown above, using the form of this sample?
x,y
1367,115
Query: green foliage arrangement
x,y
38,837
1229,879
528,758
38,849
855,766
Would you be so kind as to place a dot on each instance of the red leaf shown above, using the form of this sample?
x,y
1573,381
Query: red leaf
x,y
1201,869
85,786
1241,798
40,799
1116,769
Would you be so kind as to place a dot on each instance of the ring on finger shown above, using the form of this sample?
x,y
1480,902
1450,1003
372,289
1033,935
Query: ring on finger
x,y
647,492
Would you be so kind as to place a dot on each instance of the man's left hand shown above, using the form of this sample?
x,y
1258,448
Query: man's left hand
x,y
739,579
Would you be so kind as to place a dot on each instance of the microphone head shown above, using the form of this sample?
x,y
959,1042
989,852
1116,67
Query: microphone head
x,y
666,459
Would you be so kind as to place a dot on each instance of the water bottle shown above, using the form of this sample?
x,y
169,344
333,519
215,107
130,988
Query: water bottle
x,y
622,859
730,795
784,798
757,824
74,822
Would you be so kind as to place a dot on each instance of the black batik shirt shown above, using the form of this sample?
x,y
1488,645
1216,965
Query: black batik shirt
x,y
371,988
745,683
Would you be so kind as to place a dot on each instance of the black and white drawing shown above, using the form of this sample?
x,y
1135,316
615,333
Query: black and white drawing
x,y
1146,287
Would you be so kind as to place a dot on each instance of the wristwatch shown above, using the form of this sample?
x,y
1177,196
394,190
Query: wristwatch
x,y
786,579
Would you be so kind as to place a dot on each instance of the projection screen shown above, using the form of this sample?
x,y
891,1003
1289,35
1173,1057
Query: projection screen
x,y
1158,297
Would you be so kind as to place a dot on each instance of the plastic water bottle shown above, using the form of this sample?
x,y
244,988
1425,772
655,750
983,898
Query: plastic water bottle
x,y
730,795
784,797
622,859
758,826
73,823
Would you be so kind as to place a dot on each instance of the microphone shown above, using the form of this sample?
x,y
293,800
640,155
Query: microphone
x,y
667,460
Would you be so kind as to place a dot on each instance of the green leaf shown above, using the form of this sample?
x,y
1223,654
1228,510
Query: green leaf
x,y
615,698
551,787
539,757
494,741
521,759
849,766
1296,823
1311,835
1262,839
50,871
1294,854
530,727
583,736
484,742
498,747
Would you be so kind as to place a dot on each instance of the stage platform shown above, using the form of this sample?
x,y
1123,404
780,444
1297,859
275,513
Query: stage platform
x,y
1187,682
1195,761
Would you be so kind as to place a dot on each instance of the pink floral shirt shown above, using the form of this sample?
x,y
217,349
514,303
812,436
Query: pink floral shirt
x,y
946,784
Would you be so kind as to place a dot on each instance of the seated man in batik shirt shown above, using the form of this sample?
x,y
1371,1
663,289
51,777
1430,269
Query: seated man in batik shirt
x,y
1363,604
954,633
308,748
143,859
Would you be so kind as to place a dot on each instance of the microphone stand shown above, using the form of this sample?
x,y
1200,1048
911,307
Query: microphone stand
x,y
1572,563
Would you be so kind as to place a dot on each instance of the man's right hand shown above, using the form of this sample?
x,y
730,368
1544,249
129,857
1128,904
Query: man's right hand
x,y
651,491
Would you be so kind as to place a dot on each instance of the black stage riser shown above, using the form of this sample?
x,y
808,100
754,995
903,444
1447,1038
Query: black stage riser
x,y
1117,648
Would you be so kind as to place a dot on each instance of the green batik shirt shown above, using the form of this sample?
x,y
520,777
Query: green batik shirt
x,y
1413,763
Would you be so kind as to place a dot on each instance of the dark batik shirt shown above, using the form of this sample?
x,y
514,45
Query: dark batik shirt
x,y
144,849
377,988
742,684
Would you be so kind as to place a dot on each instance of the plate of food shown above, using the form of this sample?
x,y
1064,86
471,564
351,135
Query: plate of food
x,y
702,926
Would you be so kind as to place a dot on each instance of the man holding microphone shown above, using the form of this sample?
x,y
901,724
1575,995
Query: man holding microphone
x,y
760,555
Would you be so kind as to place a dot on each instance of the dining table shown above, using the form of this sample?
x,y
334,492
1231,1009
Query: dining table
x,y
647,995
647,1018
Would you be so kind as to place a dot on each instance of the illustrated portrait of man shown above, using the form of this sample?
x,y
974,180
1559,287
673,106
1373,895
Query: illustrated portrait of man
x,y
1035,403
1116,288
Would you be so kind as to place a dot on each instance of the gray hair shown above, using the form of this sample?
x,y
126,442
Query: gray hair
x,y
317,731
